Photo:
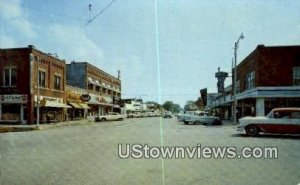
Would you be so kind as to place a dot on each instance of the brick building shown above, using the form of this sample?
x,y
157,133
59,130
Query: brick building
x,y
268,77
23,70
103,89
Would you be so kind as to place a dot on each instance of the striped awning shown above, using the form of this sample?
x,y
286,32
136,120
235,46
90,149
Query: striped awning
x,y
75,105
84,105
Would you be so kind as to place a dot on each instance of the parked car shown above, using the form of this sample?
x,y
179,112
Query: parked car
x,y
182,115
111,116
202,118
135,115
167,114
278,121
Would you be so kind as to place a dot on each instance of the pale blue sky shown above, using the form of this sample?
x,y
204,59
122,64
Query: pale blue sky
x,y
196,37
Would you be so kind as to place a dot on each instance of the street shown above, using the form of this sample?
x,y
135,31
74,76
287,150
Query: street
x,y
88,154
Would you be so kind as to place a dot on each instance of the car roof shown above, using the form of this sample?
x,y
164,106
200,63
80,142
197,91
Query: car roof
x,y
287,109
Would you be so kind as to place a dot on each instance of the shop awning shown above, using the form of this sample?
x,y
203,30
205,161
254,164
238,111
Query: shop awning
x,y
45,103
84,105
75,105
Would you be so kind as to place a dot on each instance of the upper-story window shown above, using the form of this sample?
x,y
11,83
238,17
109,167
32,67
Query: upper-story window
x,y
296,76
250,80
10,77
42,78
57,82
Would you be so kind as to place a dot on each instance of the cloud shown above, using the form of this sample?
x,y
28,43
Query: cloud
x,y
73,43
14,16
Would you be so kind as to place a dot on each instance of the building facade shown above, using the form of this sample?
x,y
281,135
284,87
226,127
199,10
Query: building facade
x,y
31,80
103,91
269,77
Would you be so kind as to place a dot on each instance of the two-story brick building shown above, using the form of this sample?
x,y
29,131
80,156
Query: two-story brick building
x,y
29,75
268,77
103,89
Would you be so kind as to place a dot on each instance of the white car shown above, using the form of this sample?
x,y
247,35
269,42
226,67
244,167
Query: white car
x,y
278,121
135,115
202,118
111,116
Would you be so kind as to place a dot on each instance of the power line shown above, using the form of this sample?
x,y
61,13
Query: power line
x,y
102,11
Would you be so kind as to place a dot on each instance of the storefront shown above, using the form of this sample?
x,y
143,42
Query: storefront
x,y
51,109
79,108
101,105
13,108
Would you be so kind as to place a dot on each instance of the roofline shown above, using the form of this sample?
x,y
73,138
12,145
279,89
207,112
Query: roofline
x,y
91,65
32,48
260,46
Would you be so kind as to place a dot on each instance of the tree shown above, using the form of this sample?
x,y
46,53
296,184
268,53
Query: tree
x,y
190,105
170,106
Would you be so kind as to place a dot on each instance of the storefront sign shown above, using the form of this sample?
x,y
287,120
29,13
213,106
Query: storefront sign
x,y
13,98
85,97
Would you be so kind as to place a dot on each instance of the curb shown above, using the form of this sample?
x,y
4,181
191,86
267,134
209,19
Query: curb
x,y
25,128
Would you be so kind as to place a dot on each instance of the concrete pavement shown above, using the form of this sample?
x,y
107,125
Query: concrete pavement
x,y
88,154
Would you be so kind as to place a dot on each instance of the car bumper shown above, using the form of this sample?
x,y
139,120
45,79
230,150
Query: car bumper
x,y
240,128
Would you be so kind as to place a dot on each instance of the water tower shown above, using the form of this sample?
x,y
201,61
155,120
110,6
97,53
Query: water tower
x,y
221,76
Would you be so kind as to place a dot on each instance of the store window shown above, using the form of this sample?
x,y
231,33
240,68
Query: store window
x,y
296,76
10,77
57,82
90,86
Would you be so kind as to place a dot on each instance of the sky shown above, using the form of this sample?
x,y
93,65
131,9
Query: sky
x,y
168,58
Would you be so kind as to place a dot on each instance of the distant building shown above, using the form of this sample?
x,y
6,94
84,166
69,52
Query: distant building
x,y
103,91
29,75
268,77
133,105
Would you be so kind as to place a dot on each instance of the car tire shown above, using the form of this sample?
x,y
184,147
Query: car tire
x,y
197,123
251,130
103,119
186,122
216,122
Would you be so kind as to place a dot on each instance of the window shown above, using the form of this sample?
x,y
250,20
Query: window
x,y
90,86
42,78
10,77
57,82
97,88
250,80
296,76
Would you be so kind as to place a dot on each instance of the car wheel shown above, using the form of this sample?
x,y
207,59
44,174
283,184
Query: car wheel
x,y
186,122
197,122
103,119
216,122
252,130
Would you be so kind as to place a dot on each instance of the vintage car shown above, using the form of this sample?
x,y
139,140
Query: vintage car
x,y
183,115
167,114
111,116
278,121
202,118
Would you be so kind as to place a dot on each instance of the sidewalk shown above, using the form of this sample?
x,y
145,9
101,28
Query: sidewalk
x,y
22,128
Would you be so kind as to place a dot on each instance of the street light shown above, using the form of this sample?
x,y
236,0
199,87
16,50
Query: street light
x,y
236,45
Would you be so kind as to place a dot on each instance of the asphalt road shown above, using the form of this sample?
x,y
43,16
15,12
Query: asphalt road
x,y
88,154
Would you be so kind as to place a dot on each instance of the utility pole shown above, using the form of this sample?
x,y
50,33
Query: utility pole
x,y
236,45
38,96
